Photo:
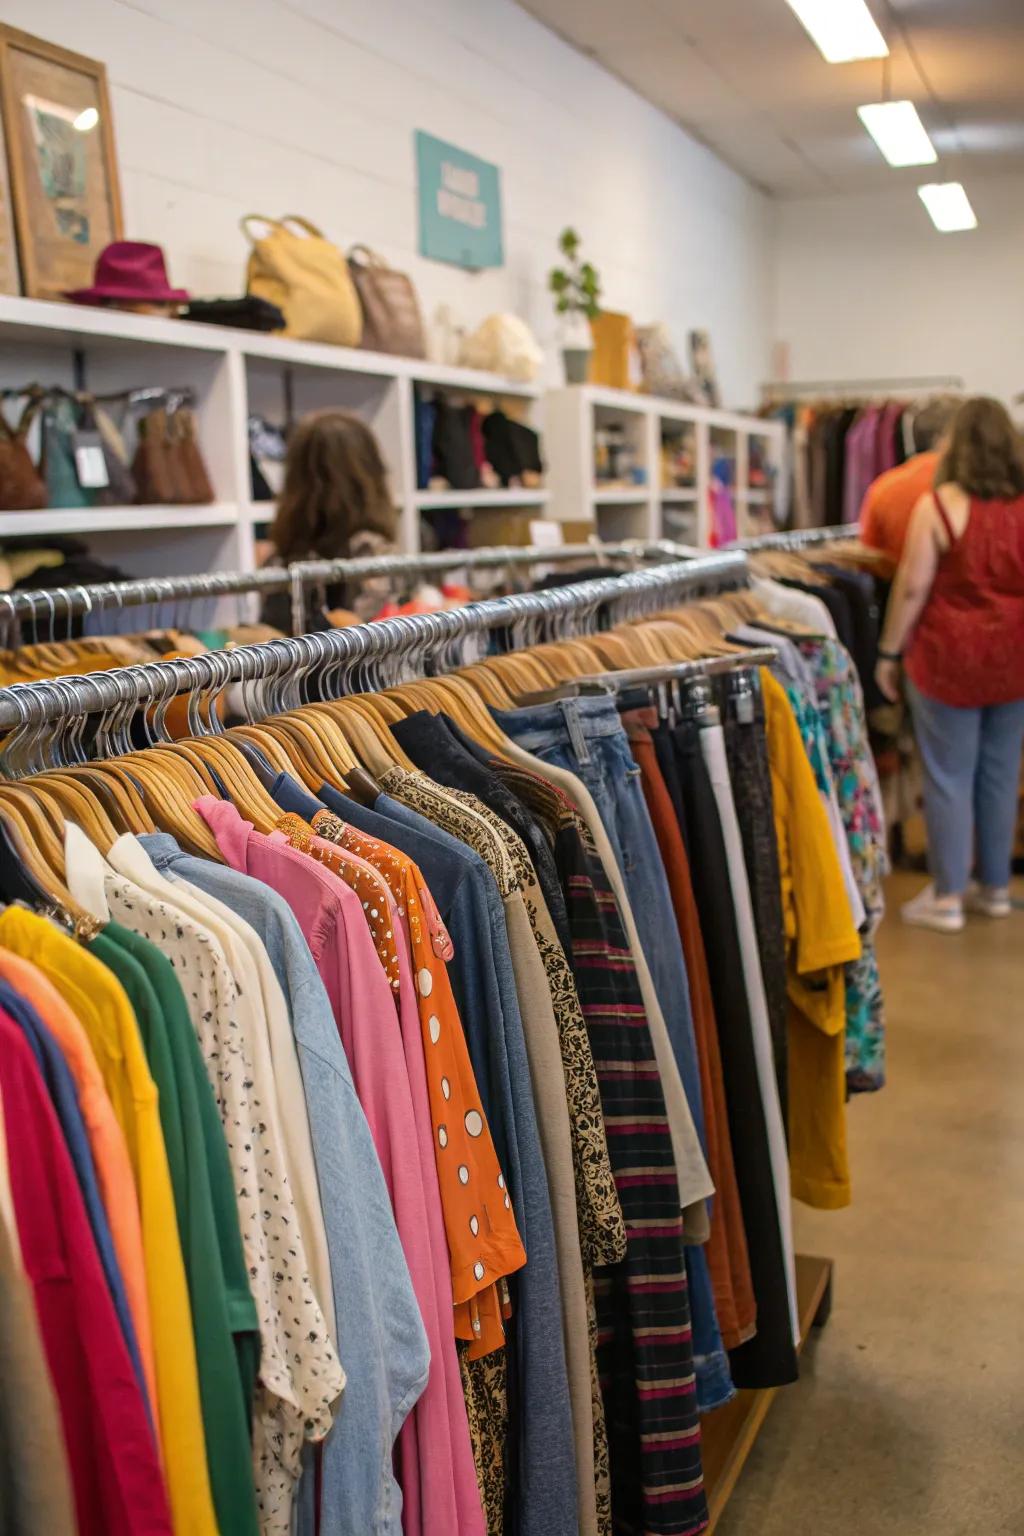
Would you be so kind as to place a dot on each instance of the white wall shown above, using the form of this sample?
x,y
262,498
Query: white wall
x,y
223,107
866,286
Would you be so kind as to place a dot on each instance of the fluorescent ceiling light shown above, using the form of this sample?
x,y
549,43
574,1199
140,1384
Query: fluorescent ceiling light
x,y
949,206
842,29
898,132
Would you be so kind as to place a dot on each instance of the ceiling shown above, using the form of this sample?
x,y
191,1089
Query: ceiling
x,y
744,78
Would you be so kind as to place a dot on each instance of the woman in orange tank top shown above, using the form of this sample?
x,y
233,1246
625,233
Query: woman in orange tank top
x,y
956,626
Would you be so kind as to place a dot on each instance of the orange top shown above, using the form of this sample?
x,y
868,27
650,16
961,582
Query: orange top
x,y
368,886
890,500
106,1141
483,1245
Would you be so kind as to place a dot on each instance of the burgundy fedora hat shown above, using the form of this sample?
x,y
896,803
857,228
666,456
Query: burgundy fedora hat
x,y
131,270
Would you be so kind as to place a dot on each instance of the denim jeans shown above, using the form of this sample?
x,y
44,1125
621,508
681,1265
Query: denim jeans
x,y
971,760
586,737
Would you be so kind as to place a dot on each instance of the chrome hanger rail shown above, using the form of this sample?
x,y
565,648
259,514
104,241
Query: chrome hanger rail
x,y
782,389
799,538
59,604
272,676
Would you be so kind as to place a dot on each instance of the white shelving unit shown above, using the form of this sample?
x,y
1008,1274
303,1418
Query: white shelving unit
x,y
646,509
232,374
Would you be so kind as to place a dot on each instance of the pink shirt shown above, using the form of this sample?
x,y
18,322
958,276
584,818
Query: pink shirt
x,y
437,1472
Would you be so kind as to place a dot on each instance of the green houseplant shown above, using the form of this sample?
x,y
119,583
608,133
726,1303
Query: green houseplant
x,y
577,291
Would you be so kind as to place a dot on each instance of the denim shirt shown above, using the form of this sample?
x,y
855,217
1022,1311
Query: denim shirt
x,y
381,1340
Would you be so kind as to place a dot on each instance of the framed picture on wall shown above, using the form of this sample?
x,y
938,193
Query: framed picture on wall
x,y
61,161
9,280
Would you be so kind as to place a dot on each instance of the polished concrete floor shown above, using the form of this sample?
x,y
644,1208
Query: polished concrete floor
x,y
909,1417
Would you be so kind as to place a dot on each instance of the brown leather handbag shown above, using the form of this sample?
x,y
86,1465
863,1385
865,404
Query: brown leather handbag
x,y
22,488
392,321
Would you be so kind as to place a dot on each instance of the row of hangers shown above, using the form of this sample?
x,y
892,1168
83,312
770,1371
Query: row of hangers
x,y
344,741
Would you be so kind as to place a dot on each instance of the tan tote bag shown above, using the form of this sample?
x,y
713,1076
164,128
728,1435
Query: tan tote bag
x,y
392,321
296,268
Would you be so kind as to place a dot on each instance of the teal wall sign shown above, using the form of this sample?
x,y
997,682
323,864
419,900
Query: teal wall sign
x,y
460,205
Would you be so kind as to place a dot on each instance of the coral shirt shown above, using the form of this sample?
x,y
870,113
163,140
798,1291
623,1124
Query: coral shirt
x,y
890,500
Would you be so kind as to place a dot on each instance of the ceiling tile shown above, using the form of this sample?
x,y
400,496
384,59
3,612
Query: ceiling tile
x,y
745,77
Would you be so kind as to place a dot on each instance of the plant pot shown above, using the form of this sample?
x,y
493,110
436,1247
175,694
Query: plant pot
x,y
577,364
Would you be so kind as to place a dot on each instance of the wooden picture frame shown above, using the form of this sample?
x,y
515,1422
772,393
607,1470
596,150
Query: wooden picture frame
x,y
10,280
61,159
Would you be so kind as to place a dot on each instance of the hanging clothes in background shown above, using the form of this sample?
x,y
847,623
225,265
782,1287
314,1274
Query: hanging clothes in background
x,y
837,446
407,1098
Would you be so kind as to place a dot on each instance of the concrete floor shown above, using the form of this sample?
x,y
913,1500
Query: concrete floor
x,y
909,1417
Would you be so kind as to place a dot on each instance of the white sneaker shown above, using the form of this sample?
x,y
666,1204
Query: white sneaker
x,y
943,913
988,900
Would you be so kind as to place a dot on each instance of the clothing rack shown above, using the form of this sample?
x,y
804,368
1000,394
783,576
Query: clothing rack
x,y
272,677
382,648
780,389
62,603
798,538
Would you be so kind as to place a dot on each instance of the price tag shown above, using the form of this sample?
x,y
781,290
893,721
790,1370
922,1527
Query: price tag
x,y
90,465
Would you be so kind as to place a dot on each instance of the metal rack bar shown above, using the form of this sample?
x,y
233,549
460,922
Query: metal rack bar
x,y
416,640
799,538
63,602
780,388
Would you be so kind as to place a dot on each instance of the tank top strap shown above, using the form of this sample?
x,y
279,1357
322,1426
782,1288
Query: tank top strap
x,y
947,522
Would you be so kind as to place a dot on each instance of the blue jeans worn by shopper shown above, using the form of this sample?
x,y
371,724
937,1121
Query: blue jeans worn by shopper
x,y
586,737
971,760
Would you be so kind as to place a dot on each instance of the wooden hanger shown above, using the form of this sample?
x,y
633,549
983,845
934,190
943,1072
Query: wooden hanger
x,y
41,850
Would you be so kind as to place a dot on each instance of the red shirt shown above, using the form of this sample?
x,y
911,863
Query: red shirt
x,y
968,647
117,1481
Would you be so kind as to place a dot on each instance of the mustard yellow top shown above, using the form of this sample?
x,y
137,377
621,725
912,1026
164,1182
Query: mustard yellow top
x,y
102,1007
820,939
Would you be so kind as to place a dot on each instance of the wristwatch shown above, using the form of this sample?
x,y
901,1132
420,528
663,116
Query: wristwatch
x,y
889,655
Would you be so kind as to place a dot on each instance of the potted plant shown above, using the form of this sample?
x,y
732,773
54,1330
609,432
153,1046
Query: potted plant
x,y
577,289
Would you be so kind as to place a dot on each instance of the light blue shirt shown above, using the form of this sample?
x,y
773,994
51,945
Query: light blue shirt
x,y
381,1340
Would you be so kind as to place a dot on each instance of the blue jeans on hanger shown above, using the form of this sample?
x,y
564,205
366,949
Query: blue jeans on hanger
x,y
971,760
586,737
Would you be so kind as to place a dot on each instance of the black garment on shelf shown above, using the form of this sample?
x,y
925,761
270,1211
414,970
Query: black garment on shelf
x,y
769,1358
247,313
746,750
836,429
512,448
436,744
453,445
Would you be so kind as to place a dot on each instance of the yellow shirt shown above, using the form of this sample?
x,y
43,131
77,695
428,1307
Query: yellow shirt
x,y
103,1009
820,939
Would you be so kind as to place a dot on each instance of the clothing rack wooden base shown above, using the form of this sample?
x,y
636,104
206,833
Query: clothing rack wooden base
x,y
729,1433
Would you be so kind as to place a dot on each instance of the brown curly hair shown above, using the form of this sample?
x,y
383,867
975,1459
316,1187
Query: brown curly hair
x,y
985,456
335,486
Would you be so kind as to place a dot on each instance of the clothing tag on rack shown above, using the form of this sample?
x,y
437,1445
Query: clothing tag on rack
x,y
745,709
90,465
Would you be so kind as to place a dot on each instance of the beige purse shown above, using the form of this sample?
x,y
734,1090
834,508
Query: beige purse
x,y
296,268
391,311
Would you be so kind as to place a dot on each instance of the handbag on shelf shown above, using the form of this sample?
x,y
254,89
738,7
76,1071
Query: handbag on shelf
x,y
57,453
119,490
168,466
191,468
392,321
21,485
308,278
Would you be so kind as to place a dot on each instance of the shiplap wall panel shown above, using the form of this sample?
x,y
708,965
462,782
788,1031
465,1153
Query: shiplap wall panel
x,y
309,106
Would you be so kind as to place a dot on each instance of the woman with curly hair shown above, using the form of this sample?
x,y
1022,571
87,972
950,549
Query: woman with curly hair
x,y
956,627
